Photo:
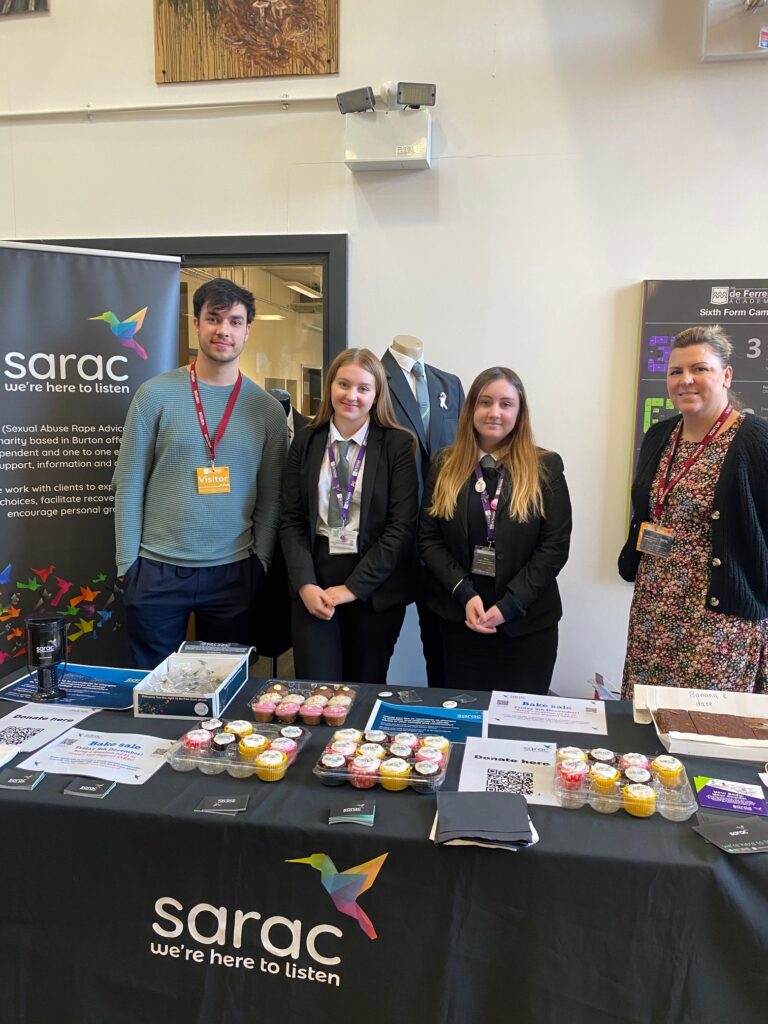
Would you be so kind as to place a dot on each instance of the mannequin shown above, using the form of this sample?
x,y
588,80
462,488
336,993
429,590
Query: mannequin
x,y
445,398
295,420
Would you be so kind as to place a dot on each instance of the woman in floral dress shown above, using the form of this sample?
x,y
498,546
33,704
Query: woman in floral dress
x,y
698,542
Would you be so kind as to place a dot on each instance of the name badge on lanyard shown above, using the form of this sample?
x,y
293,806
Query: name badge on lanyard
x,y
484,555
655,539
213,479
342,540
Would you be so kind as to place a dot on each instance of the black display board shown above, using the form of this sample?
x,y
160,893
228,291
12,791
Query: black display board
x,y
740,307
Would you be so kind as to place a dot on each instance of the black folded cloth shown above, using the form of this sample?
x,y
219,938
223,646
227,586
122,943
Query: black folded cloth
x,y
483,819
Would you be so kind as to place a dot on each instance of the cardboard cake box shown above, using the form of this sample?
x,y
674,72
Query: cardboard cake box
x,y
706,723
228,661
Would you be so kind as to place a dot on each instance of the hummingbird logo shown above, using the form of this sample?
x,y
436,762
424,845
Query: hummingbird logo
x,y
345,886
125,330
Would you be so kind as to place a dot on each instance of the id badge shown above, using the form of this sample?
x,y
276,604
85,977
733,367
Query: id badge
x,y
655,540
342,541
484,561
213,480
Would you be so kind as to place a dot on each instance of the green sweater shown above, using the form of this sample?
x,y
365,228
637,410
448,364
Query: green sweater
x,y
158,512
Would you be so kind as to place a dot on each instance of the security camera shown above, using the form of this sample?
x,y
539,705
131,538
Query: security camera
x,y
356,100
416,94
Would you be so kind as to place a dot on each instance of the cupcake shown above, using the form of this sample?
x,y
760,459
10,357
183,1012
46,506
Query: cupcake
x,y
639,800
364,772
211,725
274,685
197,741
334,715
271,765
601,755
571,754
400,750
319,702
263,710
437,743
372,750
332,769
239,728
222,743
633,761
408,738
288,747
426,777
348,734
322,691
376,736
251,746
429,754
340,702
292,732
346,748
287,711
311,714
395,774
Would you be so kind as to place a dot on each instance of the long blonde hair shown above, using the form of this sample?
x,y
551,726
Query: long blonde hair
x,y
520,455
382,411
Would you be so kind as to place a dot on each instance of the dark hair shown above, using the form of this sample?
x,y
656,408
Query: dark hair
x,y
714,336
220,294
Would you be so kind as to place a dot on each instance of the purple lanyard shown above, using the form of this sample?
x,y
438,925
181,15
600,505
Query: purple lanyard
x,y
490,507
345,500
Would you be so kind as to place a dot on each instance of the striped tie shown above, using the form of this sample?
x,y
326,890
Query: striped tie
x,y
422,395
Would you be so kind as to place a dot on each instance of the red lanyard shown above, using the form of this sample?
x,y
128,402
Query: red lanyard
x,y
212,445
665,484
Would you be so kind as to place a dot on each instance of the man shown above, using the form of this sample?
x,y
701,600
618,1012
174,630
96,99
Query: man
x,y
197,489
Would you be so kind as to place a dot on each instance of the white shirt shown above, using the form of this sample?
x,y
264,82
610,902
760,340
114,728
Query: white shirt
x,y
324,482
291,427
407,364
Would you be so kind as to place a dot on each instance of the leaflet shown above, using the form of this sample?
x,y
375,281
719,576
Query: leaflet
x,y
85,685
129,758
556,714
509,766
730,796
453,723
31,726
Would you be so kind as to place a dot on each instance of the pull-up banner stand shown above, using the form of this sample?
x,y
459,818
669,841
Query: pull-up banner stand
x,y
80,331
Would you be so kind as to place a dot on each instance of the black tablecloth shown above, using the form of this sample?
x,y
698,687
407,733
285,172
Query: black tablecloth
x,y
608,919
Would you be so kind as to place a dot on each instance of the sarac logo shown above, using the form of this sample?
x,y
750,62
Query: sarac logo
x,y
720,294
345,886
125,330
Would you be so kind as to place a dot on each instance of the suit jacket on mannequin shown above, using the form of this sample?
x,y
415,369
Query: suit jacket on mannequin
x,y
446,397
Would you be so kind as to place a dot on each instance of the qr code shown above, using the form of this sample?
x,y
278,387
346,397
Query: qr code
x,y
16,734
509,782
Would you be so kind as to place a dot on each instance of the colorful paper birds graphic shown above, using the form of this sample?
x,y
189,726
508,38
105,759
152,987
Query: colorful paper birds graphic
x,y
124,330
345,886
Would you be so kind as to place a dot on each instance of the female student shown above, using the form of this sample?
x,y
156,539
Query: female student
x,y
494,533
348,526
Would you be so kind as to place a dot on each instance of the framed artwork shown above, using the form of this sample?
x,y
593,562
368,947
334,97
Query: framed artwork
x,y
208,40
23,6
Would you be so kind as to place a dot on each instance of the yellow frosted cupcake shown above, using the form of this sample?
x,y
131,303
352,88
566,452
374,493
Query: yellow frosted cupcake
x,y
271,765
394,774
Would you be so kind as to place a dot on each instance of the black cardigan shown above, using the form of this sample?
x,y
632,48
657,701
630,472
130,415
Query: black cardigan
x,y
528,555
738,570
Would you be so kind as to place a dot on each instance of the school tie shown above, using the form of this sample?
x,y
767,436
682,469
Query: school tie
x,y
422,395
342,468
490,473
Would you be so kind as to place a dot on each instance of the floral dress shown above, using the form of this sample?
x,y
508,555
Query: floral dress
x,y
674,638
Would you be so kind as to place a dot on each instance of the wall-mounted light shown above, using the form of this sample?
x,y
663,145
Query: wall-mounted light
x,y
303,289
268,316
355,101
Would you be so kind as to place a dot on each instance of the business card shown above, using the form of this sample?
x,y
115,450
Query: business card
x,y
742,835
96,789
354,812
722,795
224,804
16,778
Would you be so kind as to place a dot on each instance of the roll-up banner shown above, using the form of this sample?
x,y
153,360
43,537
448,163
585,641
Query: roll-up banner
x,y
81,330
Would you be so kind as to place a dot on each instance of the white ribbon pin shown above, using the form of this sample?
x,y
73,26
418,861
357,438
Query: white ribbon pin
x,y
443,398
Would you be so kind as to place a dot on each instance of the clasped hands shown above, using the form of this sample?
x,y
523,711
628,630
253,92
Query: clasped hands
x,y
322,603
480,620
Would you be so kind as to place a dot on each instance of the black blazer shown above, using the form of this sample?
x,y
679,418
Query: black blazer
x,y
528,555
388,511
443,416
299,421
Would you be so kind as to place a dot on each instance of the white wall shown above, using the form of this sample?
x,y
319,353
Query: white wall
x,y
579,148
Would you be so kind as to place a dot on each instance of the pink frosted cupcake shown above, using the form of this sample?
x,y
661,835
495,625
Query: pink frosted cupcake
x,y
288,747
334,714
364,772
311,714
263,710
406,738
346,748
424,754
287,711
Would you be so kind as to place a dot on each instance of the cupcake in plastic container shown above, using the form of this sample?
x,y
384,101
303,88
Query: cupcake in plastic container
x,y
271,765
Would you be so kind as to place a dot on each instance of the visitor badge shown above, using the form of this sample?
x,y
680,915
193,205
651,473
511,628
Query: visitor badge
x,y
213,480
342,541
484,561
655,540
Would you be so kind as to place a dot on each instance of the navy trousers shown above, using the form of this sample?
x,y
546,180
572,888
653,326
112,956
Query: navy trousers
x,y
159,598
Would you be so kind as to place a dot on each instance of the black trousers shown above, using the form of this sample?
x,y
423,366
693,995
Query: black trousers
x,y
431,643
159,597
476,661
356,645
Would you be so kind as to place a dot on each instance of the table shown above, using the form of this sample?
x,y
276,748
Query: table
x,y
608,919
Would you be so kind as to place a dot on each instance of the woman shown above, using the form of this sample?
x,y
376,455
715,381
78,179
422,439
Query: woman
x,y
347,526
494,533
698,541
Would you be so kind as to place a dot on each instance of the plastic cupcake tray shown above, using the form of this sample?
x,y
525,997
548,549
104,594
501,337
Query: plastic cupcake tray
x,y
239,748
